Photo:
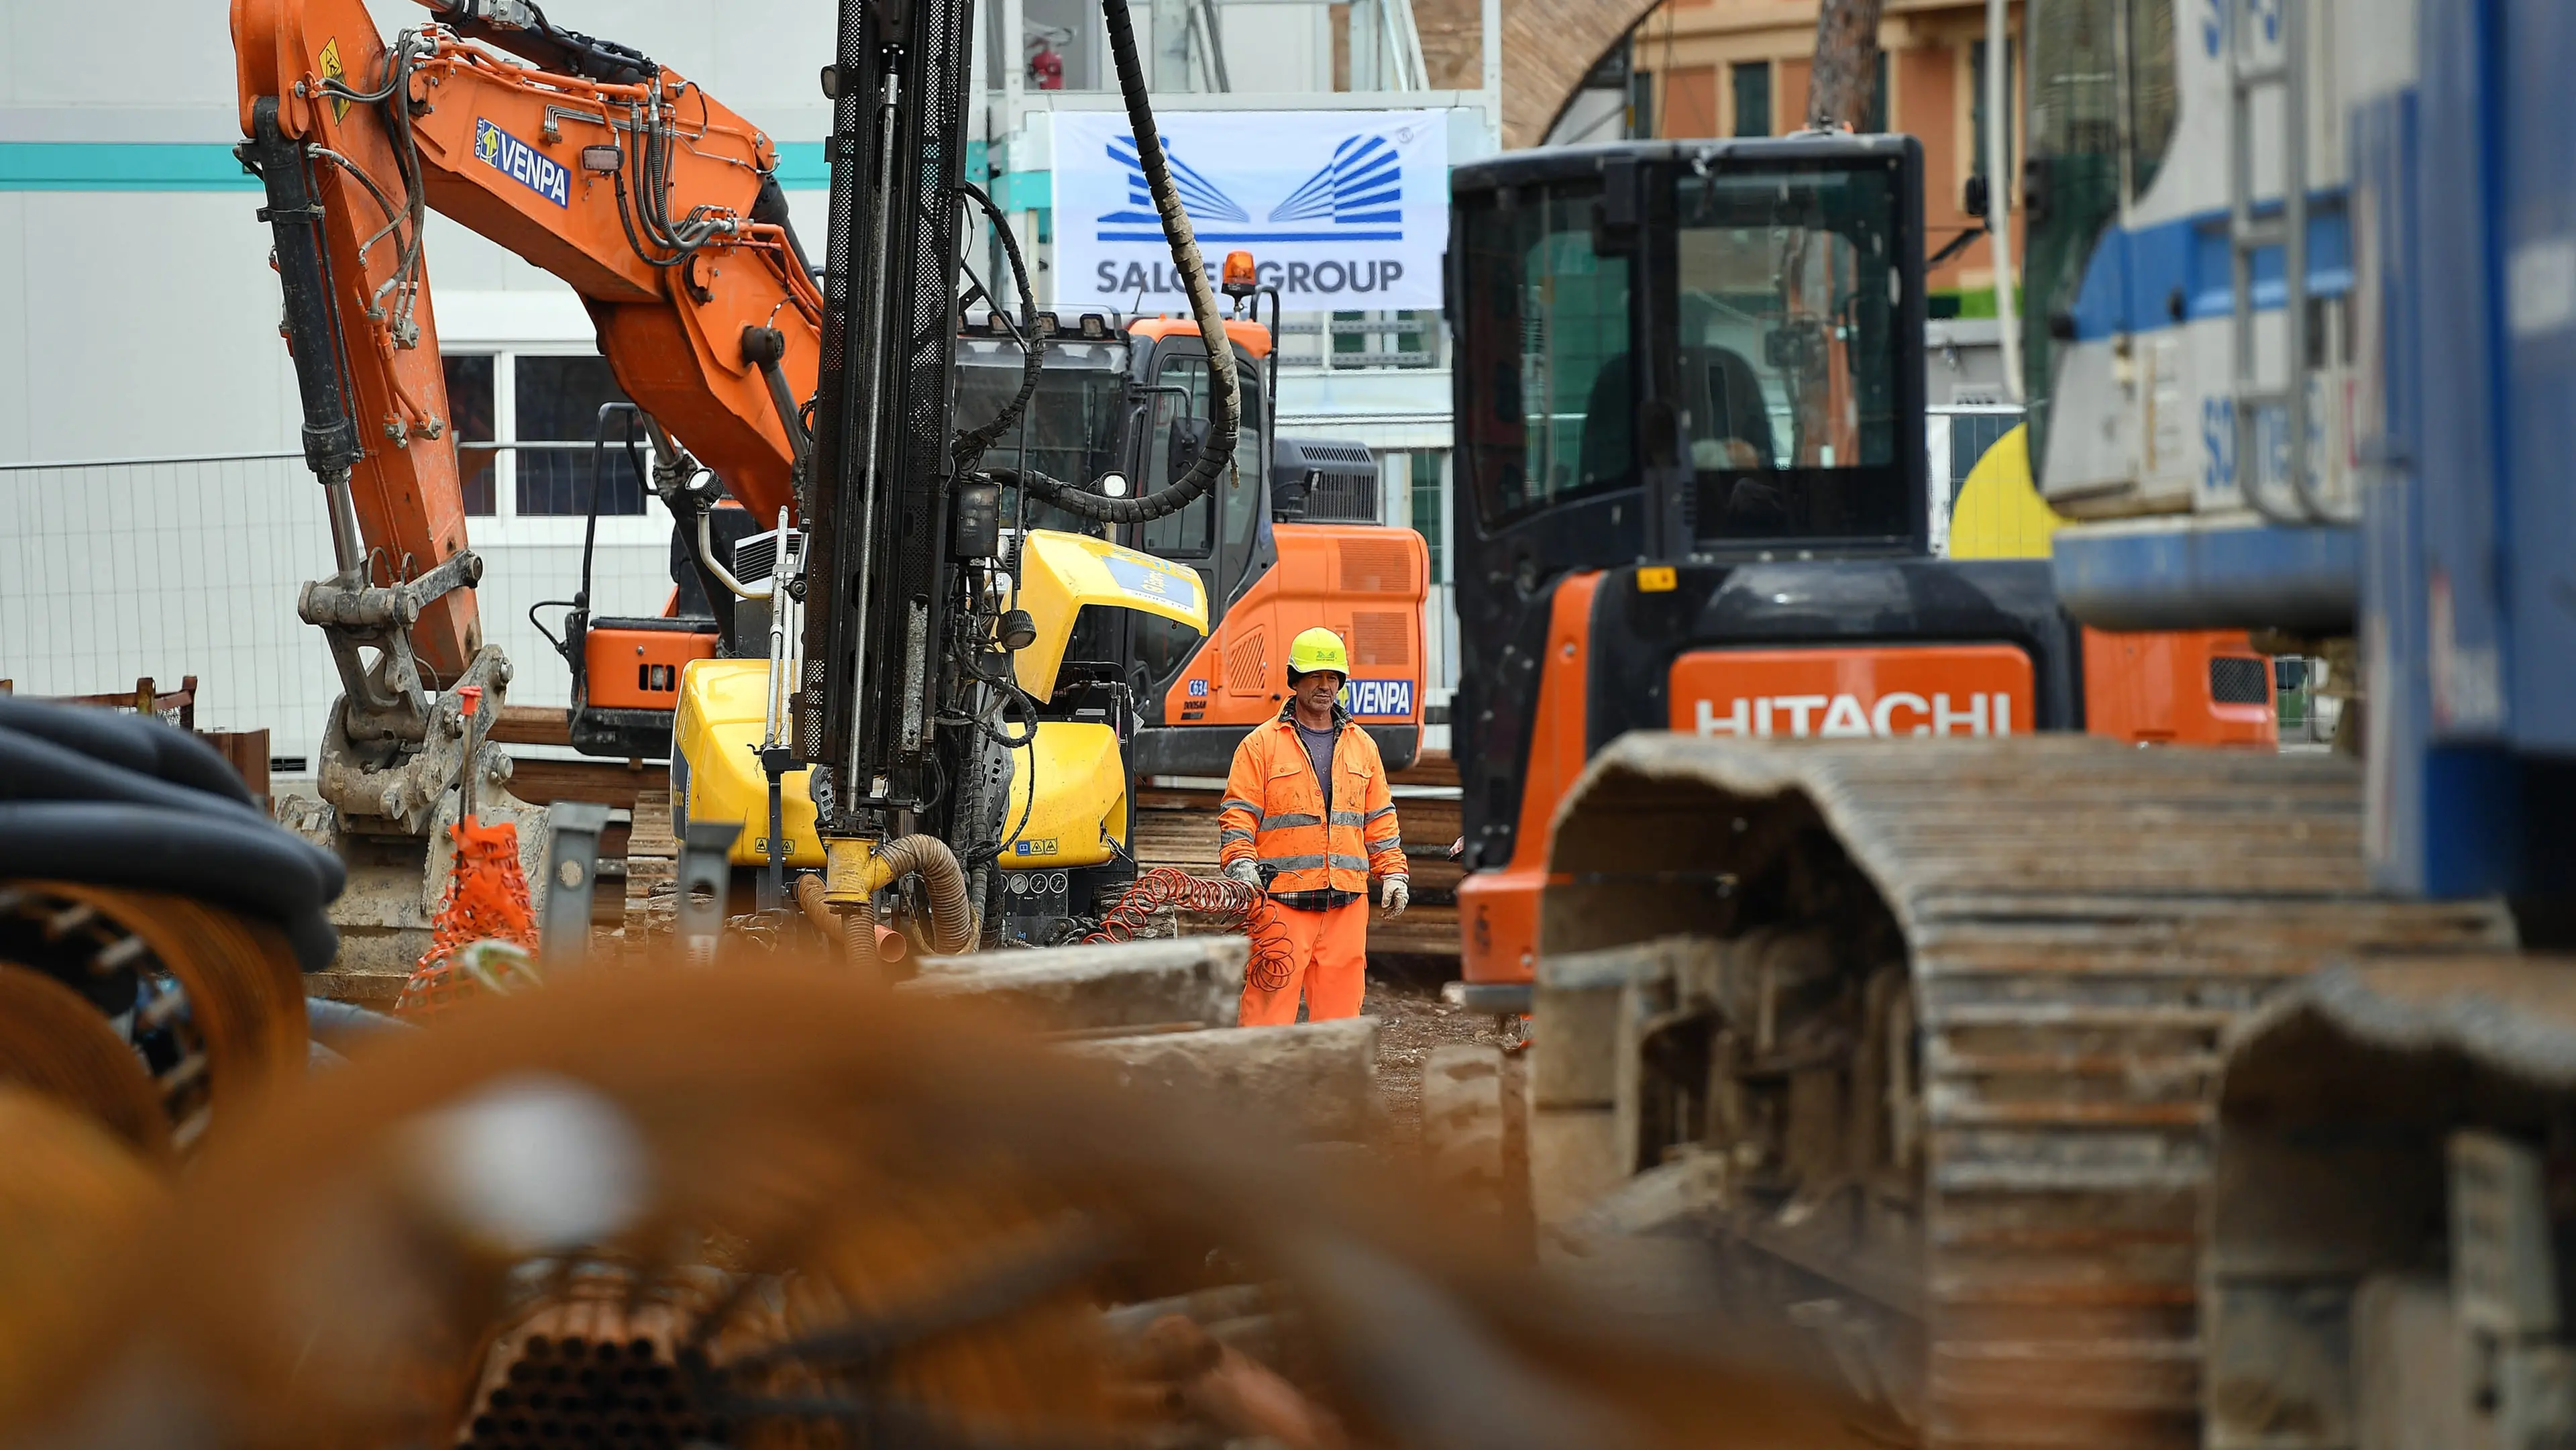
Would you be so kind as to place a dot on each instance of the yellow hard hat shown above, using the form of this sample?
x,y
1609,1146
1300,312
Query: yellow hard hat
x,y
1318,649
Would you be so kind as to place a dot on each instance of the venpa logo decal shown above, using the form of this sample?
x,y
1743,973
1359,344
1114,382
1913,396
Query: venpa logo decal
x,y
1844,717
520,162
1379,699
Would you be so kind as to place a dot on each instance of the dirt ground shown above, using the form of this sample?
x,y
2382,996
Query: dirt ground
x,y
1412,1020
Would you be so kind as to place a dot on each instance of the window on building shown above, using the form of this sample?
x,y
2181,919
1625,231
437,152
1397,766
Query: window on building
x,y
1752,98
470,418
1429,470
1641,105
553,439
1876,120
1381,339
523,426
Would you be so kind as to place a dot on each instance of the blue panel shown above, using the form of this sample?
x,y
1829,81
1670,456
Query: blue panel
x,y
2301,579
2447,797
2454,283
2132,278
2536,517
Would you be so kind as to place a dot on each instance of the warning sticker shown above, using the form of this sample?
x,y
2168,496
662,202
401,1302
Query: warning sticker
x,y
332,70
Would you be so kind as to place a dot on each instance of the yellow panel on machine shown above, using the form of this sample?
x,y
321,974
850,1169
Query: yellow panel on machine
x,y
1081,817
715,762
1060,573
1081,812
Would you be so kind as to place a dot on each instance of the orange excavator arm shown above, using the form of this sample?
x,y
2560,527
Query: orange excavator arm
x,y
654,201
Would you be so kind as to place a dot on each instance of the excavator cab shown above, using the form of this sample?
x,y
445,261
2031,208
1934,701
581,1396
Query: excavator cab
x,y
1690,402
1695,495
1290,537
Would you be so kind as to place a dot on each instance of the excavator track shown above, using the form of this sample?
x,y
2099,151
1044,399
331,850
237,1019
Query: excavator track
x,y
1955,1009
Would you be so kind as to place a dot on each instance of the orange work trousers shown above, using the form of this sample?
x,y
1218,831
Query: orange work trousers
x,y
1329,962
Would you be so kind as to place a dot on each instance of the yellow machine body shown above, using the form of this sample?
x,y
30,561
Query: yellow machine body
x,y
1080,818
715,762
1061,573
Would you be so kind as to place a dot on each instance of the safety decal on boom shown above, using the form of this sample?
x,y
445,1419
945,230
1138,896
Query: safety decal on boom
x,y
520,162
333,70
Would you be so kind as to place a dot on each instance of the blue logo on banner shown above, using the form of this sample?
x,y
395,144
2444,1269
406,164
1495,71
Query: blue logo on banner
x,y
1358,196
1378,699
520,162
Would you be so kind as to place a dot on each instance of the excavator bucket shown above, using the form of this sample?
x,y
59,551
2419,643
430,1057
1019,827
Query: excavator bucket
x,y
388,916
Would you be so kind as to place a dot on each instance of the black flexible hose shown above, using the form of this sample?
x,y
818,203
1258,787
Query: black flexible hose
x,y
33,768
1225,396
971,443
238,865
130,741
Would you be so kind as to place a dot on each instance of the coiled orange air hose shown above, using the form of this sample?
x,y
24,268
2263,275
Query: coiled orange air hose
x,y
1250,911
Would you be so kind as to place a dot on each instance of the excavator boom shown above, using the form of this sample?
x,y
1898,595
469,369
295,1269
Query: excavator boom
x,y
653,200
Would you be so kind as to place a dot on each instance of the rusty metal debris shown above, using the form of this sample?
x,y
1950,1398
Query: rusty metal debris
x,y
771,1205
148,1010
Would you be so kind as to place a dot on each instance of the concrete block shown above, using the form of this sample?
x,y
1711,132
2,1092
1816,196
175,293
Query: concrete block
x,y
1116,984
1316,1081
1576,1158
1462,1118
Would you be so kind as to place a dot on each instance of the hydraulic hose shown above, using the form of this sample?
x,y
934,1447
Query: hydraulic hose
x,y
971,443
1225,396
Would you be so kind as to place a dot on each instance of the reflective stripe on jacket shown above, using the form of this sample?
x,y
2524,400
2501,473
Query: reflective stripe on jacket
x,y
1275,814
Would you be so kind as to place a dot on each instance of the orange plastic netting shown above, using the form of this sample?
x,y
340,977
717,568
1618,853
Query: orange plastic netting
x,y
485,929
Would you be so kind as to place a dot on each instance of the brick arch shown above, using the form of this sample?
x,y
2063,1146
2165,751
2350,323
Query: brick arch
x,y
1548,46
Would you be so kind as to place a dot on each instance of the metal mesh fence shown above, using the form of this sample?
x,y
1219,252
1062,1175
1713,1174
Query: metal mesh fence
x,y
111,570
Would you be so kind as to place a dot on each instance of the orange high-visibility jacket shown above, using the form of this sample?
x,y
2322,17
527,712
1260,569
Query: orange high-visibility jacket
x,y
1275,814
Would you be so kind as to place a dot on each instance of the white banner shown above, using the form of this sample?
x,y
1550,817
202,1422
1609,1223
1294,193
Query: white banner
x,y
1341,210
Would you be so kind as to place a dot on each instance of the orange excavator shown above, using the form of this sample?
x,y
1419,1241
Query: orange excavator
x,y
1694,498
930,672
658,204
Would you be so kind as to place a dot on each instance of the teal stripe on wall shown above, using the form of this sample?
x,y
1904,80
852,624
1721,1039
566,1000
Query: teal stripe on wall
x,y
801,166
209,166
101,166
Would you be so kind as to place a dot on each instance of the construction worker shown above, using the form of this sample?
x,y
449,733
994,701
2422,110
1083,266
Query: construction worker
x,y
1309,819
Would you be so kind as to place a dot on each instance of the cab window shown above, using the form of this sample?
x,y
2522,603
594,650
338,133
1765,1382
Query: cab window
x,y
1181,407
1189,535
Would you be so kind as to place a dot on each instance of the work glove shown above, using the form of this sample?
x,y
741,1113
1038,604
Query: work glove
x,y
1246,872
1395,894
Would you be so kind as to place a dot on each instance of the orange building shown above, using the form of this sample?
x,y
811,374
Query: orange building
x,y
1739,68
